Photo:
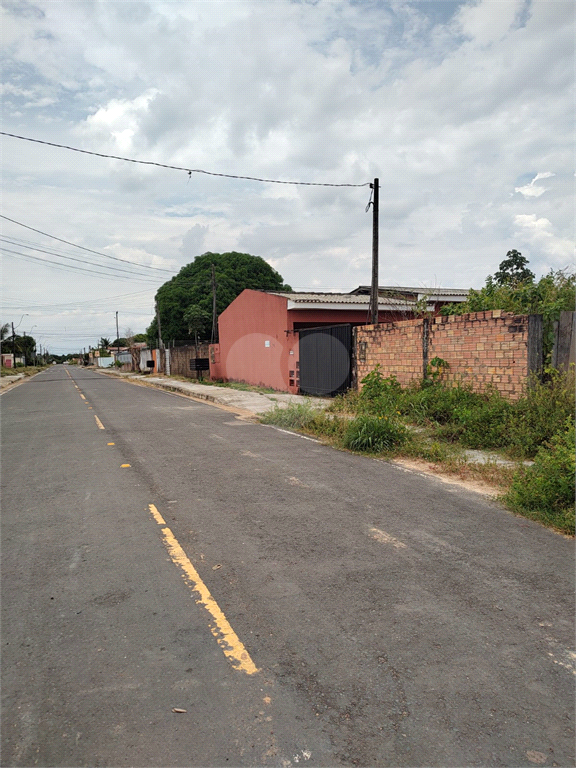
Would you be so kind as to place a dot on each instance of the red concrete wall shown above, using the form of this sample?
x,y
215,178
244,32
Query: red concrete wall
x,y
309,318
254,346
481,348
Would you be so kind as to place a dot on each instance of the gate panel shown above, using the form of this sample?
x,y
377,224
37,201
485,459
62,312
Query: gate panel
x,y
325,360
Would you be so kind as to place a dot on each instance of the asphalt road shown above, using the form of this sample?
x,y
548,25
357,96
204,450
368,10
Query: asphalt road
x,y
302,605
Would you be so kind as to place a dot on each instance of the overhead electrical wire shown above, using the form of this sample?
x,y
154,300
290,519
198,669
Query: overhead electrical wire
x,y
55,264
113,270
189,171
75,303
83,248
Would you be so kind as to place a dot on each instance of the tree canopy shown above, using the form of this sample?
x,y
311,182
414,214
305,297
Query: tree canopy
x,y
192,286
23,345
513,270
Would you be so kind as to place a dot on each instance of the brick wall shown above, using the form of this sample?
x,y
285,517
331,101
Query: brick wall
x,y
481,348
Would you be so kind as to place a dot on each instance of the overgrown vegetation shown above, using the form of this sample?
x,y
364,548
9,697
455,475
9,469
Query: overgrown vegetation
x,y
513,288
374,434
545,491
306,417
436,422
474,420
26,370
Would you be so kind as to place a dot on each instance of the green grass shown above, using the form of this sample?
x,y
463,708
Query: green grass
x,y
306,417
28,370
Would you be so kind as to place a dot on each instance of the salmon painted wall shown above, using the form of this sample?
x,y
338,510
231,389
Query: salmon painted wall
x,y
254,346
312,317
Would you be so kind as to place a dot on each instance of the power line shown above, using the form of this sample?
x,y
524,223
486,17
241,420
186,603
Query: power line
x,y
74,303
98,253
55,264
189,171
113,270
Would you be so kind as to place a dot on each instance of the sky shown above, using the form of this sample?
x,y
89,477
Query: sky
x,y
462,110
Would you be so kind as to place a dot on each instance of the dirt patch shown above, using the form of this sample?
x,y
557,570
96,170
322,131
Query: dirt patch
x,y
427,468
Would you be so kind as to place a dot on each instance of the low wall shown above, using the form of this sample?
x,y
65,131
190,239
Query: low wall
x,y
492,347
180,360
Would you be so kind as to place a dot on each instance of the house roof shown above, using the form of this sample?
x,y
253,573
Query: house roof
x,y
434,294
340,301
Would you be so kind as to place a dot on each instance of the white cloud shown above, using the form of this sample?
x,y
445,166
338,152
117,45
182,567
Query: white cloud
x,y
530,190
538,231
488,21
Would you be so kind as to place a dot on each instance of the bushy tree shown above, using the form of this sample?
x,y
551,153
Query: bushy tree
x,y
513,270
193,286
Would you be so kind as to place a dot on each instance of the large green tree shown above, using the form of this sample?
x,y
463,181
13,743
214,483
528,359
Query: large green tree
x,y
193,286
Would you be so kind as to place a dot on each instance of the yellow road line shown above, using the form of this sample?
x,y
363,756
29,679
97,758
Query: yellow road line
x,y
225,636
100,425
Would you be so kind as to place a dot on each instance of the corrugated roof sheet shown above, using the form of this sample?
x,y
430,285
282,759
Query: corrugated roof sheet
x,y
363,289
337,298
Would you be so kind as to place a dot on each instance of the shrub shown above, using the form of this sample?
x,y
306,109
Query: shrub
x,y
541,413
374,434
379,395
545,491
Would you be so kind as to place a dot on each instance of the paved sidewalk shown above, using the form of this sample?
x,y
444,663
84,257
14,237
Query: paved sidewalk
x,y
5,381
252,402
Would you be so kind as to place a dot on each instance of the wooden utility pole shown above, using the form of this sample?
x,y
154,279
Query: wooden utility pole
x,y
214,337
160,344
117,338
374,288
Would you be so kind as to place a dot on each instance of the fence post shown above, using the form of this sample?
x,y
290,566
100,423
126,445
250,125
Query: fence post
x,y
564,340
535,346
425,346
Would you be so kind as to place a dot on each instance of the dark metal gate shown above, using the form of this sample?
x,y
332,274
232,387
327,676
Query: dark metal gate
x,y
325,360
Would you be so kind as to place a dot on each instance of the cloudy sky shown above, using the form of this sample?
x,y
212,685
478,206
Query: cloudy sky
x,y
463,110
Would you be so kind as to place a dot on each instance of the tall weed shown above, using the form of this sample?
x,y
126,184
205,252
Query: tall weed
x,y
374,434
305,417
545,490
541,413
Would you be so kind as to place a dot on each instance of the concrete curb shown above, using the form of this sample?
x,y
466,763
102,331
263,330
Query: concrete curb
x,y
7,381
